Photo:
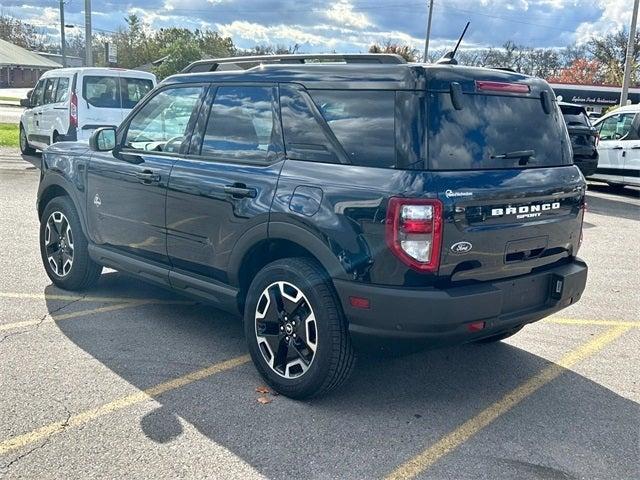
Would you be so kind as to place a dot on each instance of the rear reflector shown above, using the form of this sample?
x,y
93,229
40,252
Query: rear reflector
x,y
485,85
359,302
475,326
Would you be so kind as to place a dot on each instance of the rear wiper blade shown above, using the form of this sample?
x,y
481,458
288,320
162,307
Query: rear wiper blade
x,y
516,154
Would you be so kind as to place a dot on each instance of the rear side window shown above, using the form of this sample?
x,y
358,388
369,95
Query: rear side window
x,y
241,124
101,92
363,122
575,116
491,130
62,92
115,92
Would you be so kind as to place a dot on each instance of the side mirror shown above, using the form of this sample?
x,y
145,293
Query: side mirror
x,y
25,102
103,139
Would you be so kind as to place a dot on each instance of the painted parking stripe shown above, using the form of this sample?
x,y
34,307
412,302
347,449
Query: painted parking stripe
x,y
70,315
471,427
601,323
119,404
96,299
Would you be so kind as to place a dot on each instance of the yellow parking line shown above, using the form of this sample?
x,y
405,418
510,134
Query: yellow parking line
x,y
471,427
118,404
603,323
67,316
80,298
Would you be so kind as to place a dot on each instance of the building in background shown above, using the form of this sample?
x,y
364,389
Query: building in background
x,y
56,57
595,98
20,67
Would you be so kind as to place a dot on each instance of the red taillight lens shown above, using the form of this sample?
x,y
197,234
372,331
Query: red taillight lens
x,y
414,232
73,110
502,87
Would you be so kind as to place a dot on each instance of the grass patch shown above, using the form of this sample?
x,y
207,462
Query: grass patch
x,y
9,135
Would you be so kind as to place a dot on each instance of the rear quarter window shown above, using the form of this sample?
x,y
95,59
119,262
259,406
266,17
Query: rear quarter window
x,y
101,92
363,121
575,116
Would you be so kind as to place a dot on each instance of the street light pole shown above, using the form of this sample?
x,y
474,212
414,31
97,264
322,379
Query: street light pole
x,y
63,43
629,60
87,29
426,42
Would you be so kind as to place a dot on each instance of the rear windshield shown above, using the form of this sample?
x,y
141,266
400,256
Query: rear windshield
x,y
575,116
114,92
494,131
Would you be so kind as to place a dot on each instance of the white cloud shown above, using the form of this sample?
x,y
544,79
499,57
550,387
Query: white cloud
x,y
616,14
273,34
342,13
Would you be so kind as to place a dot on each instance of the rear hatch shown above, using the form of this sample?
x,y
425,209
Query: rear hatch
x,y
500,157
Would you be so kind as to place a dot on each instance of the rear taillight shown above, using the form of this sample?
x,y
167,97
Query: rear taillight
x,y
484,85
414,232
73,110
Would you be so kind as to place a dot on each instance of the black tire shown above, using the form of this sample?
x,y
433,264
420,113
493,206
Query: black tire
x,y
332,358
500,336
83,272
25,148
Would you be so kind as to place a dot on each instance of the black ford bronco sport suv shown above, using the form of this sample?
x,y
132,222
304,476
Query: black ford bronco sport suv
x,y
330,202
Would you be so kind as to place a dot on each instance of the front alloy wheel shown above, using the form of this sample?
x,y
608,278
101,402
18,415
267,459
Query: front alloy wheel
x,y
286,329
58,242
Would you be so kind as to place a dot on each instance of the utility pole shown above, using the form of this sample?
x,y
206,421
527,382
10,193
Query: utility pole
x,y
87,33
629,60
426,42
63,43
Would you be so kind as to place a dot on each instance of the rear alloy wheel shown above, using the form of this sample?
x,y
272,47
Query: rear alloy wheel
x,y
286,329
296,332
25,148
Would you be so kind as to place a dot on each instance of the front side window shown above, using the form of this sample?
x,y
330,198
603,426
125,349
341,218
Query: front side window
x,y
101,92
62,92
616,127
363,122
49,90
241,124
161,124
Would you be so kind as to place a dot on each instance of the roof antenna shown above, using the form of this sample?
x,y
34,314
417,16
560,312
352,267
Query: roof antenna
x,y
449,57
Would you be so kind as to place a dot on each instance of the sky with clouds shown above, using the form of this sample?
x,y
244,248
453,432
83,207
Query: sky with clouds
x,y
351,25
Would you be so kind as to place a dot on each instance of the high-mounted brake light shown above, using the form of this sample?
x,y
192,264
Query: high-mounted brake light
x,y
73,110
414,231
485,85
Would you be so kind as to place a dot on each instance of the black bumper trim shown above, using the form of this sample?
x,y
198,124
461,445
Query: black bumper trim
x,y
444,314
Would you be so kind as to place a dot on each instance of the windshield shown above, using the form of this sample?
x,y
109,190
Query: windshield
x,y
494,131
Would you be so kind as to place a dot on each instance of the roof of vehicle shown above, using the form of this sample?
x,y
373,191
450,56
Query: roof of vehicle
x,y
409,76
98,71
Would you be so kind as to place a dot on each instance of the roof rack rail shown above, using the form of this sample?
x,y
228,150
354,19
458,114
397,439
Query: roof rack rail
x,y
250,61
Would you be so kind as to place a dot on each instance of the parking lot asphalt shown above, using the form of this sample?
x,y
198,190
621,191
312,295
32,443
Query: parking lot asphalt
x,y
131,381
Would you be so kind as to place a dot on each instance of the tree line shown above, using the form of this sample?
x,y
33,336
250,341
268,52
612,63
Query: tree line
x,y
168,50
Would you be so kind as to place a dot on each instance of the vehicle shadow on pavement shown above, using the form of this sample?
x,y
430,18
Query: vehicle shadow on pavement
x,y
390,410
621,208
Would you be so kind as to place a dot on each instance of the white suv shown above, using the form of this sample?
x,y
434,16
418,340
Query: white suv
x,y
619,146
70,103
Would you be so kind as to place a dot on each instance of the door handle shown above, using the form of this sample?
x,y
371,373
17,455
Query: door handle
x,y
635,147
240,190
616,148
147,177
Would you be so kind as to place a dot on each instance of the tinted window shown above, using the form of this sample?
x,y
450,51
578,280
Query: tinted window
x,y
133,89
62,92
240,124
363,123
575,115
304,137
101,91
49,90
36,95
161,124
488,127
616,126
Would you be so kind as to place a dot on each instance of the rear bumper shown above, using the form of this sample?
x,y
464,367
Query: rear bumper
x,y
444,315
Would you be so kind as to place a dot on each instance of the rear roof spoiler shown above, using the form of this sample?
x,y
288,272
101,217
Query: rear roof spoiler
x,y
246,62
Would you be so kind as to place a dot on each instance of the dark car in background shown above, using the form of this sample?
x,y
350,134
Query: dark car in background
x,y
584,137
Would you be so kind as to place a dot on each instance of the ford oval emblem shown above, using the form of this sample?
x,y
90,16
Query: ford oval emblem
x,y
461,247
